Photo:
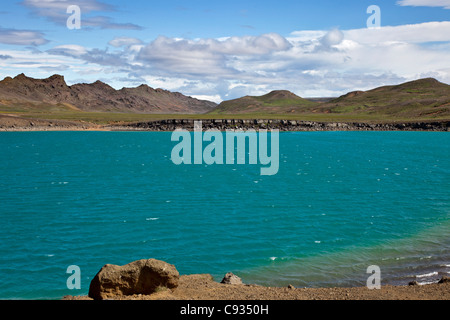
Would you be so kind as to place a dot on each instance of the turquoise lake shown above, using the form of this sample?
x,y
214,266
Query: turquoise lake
x,y
341,202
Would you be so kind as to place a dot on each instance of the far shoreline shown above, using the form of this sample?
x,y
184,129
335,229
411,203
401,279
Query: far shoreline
x,y
9,123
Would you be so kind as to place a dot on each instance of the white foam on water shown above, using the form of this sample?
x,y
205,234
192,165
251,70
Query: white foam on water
x,y
273,258
427,274
426,283
152,219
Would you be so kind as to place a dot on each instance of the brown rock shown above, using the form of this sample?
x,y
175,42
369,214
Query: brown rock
x,y
445,279
230,278
138,277
413,283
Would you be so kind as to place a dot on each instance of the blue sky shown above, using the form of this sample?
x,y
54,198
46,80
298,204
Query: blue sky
x,y
223,50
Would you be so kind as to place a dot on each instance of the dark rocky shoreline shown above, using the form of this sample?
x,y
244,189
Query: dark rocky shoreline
x,y
285,125
16,123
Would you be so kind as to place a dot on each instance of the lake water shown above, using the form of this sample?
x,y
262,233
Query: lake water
x,y
341,201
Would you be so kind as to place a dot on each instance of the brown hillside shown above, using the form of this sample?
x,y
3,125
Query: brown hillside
x,y
26,93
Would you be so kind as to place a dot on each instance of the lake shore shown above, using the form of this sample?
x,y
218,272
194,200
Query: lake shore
x,y
12,123
203,287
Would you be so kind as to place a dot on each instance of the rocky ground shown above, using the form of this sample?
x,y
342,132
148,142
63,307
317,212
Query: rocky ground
x,y
151,279
203,287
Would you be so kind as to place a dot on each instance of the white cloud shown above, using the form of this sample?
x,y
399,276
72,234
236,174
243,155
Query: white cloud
x,y
186,57
208,57
412,33
214,98
425,3
248,45
124,41
69,50
56,11
22,37
332,38
61,5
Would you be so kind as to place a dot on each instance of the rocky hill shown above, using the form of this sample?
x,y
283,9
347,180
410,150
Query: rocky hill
x,y
275,102
420,99
415,99
27,94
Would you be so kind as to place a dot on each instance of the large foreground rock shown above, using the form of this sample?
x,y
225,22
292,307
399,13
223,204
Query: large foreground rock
x,y
138,277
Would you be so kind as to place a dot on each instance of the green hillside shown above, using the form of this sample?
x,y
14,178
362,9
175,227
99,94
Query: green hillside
x,y
420,99
275,102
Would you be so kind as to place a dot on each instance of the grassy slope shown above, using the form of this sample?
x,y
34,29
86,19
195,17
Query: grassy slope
x,y
276,102
425,99
421,99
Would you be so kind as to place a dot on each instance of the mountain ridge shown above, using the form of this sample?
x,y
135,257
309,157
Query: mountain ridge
x,y
272,102
53,92
419,99
414,99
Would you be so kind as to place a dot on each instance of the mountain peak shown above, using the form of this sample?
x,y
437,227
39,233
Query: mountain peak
x,y
276,102
21,76
56,77
425,82
7,79
281,94
56,80
102,86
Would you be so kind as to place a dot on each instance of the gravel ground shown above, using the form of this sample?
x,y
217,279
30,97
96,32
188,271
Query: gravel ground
x,y
203,287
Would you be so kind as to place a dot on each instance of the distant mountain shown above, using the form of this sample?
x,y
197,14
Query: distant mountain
x,y
420,98
24,93
275,102
424,98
